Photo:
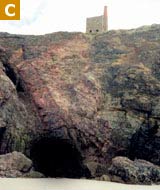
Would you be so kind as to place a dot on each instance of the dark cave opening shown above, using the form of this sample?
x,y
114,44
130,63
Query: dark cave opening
x,y
58,158
145,143
2,132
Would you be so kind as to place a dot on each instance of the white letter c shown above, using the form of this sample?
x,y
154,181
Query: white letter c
x,y
7,10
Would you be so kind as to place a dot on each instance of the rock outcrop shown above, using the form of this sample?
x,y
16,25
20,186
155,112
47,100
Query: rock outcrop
x,y
15,164
134,172
92,95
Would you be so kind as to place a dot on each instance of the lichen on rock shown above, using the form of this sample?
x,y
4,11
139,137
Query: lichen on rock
x,y
16,164
134,172
94,92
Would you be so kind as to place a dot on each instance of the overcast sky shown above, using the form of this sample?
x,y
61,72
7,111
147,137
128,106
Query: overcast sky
x,y
46,16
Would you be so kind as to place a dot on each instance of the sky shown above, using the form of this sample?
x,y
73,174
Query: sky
x,y
47,16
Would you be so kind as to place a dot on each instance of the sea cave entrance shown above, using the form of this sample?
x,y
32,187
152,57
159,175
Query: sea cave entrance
x,y
58,158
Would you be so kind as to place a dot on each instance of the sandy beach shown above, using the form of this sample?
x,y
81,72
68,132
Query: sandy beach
x,y
67,184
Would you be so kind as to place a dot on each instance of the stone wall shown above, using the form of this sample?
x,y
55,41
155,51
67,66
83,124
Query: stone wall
x,y
94,24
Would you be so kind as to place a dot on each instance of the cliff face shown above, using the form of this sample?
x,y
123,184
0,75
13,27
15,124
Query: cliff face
x,y
96,96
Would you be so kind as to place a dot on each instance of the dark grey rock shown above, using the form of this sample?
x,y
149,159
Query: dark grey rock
x,y
134,172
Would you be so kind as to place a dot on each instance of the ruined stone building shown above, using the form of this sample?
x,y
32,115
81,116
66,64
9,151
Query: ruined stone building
x,y
98,24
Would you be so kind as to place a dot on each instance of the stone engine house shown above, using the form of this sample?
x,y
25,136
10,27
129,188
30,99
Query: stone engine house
x,y
98,24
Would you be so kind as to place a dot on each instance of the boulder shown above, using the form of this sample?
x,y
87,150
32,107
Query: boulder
x,y
96,169
15,161
16,164
103,178
33,174
134,172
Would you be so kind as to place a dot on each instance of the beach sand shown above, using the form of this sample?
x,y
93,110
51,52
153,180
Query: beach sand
x,y
67,184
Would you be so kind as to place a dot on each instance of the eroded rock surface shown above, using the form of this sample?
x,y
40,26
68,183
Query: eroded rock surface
x,y
15,164
134,172
93,92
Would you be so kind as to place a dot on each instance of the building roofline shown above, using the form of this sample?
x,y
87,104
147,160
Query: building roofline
x,y
94,16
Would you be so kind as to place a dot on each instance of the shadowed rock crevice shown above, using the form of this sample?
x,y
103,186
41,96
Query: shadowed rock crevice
x,y
58,158
145,143
2,131
10,72
13,77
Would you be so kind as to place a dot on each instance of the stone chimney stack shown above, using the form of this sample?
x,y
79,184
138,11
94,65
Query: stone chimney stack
x,y
105,25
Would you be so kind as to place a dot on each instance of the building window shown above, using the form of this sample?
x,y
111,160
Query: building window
x,y
90,31
97,30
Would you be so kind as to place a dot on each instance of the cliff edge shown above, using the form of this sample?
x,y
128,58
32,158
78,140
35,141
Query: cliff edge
x,y
81,100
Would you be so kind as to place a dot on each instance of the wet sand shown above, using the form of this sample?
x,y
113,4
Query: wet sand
x,y
67,184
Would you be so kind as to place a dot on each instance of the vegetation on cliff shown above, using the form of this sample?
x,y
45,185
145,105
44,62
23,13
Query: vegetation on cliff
x,y
96,94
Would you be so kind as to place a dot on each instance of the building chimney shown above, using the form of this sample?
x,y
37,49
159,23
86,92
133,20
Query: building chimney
x,y
105,25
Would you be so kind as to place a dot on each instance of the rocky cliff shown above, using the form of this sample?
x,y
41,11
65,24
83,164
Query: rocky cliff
x,y
72,102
